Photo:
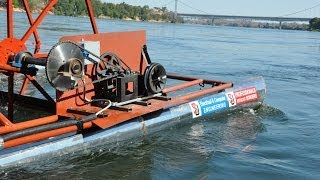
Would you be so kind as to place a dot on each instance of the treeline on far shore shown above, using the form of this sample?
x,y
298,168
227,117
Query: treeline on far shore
x,y
314,24
102,9
145,13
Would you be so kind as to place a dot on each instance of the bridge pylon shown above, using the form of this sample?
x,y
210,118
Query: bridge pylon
x,y
176,10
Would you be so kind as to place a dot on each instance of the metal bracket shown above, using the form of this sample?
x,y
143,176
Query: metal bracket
x,y
142,103
162,98
85,112
121,108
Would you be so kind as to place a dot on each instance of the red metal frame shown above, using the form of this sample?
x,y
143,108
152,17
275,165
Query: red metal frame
x,y
11,45
127,45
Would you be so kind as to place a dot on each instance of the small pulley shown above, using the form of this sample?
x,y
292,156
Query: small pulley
x,y
155,78
65,66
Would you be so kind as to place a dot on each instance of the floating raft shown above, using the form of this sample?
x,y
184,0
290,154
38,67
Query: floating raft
x,y
247,94
106,89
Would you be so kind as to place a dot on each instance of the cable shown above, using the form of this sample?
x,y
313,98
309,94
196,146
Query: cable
x,y
165,5
300,11
193,7
105,108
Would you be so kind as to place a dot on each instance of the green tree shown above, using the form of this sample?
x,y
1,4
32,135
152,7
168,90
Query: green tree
x,y
16,3
314,24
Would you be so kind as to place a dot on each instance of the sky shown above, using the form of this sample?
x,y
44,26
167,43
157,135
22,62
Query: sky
x,y
235,7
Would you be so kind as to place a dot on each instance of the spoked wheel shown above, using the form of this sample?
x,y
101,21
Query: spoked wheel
x,y
155,78
109,66
112,61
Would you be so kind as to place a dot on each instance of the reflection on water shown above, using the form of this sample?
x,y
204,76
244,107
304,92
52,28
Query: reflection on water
x,y
173,150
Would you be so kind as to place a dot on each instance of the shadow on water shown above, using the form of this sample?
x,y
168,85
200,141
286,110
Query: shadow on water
x,y
183,151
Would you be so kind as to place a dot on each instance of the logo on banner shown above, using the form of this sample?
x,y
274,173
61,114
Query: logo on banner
x,y
231,99
219,102
195,109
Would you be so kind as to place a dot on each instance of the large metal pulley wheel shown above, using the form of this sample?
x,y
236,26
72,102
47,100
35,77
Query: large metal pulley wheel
x,y
65,66
112,61
155,78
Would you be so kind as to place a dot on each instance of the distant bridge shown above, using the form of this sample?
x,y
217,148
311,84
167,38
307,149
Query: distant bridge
x,y
258,18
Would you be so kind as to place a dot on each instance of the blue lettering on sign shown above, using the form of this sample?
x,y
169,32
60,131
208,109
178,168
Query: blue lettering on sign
x,y
213,104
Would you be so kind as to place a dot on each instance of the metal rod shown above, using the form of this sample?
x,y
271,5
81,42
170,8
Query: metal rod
x,y
38,20
4,121
137,99
35,61
10,19
28,124
16,70
183,86
206,91
91,15
39,87
188,78
31,21
24,86
44,135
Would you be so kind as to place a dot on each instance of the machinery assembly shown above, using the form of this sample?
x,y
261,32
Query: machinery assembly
x,y
104,83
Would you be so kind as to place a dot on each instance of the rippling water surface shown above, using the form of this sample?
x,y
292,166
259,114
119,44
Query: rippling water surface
x,y
281,140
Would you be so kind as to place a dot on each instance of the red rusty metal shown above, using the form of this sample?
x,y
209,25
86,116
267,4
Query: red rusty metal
x,y
9,127
38,20
40,88
198,94
91,15
4,121
183,86
24,86
188,78
44,135
10,19
126,45
40,55
116,117
9,47
31,21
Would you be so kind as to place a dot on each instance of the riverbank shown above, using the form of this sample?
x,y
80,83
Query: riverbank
x,y
221,22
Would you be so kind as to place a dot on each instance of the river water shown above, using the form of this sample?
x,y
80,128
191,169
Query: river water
x,y
279,141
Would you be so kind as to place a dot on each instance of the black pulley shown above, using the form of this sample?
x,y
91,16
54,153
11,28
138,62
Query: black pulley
x,y
155,78
112,61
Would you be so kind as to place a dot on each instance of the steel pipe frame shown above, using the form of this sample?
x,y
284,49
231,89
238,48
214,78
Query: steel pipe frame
x,y
188,78
32,29
61,131
31,21
74,129
44,135
10,19
10,127
183,86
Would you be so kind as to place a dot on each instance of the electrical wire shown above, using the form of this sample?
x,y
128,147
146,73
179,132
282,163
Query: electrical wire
x,y
105,108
